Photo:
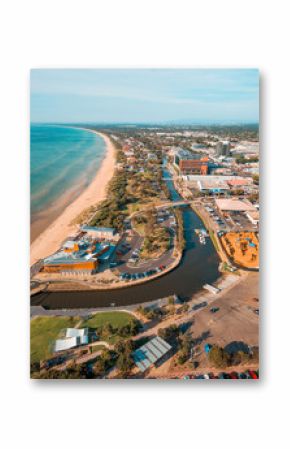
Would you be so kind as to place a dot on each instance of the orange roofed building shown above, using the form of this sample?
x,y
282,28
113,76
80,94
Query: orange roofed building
x,y
189,163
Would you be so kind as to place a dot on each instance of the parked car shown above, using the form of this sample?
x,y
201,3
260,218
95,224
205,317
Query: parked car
x,y
224,376
214,309
253,374
200,305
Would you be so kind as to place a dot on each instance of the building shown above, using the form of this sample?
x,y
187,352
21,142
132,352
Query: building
x,y
70,262
234,205
72,246
100,232
239,183
253,216
73,338
247,147
222,148
190,163
152,156
151,353
217,184
213,186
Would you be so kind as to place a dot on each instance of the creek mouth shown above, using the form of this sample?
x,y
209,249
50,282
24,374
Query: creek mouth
x,y
199,265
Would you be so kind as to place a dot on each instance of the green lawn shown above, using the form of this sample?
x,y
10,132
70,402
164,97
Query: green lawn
x,y
44,331
116,319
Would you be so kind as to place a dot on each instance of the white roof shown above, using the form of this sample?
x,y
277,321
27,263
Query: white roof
x,y
69,244
73,338
212,184
65,343
234,205
73,332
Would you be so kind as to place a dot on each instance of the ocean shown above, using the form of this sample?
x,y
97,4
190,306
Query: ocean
x,y
63,161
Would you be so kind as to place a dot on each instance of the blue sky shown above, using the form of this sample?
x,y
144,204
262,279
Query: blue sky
x,y
145,95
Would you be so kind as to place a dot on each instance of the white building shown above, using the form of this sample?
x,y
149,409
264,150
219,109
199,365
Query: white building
x,y
73,338
100,232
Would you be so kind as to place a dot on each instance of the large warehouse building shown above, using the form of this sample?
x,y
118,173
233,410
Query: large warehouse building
x,y
234,205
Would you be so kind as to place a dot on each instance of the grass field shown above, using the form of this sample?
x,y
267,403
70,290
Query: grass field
x,y
116,319
44,331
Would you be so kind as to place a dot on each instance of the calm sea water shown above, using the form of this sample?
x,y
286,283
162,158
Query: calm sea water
x,y
61,158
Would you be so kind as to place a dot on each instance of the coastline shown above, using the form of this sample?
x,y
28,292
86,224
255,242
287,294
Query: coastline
x,y
52,237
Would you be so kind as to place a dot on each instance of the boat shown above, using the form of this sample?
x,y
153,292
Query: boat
x,y
201,232
202,239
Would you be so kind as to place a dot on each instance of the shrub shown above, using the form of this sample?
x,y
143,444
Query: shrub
x,y
218,357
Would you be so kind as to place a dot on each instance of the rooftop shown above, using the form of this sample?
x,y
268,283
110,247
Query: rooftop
x,y
73,337
73,332
212,184
234,205
98,229
188,155
240,182
149,353
68,258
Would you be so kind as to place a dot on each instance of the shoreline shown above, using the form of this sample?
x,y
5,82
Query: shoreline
x,y
51,238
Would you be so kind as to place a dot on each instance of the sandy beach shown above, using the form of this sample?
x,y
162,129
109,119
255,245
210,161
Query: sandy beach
x,y
50,239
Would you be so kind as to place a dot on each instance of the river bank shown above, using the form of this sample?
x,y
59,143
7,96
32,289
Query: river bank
x,y
50,239
198,266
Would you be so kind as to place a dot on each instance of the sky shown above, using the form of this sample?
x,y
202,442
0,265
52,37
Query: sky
x,y
144,95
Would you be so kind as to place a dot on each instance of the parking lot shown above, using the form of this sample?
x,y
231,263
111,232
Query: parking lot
x,y
247,374
230,221
239,221
127,262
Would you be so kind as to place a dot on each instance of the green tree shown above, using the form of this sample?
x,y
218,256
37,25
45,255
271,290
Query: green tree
x,y
124,353
218,357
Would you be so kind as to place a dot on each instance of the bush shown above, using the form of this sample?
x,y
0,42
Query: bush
x,y
124,361
218,357
169,333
